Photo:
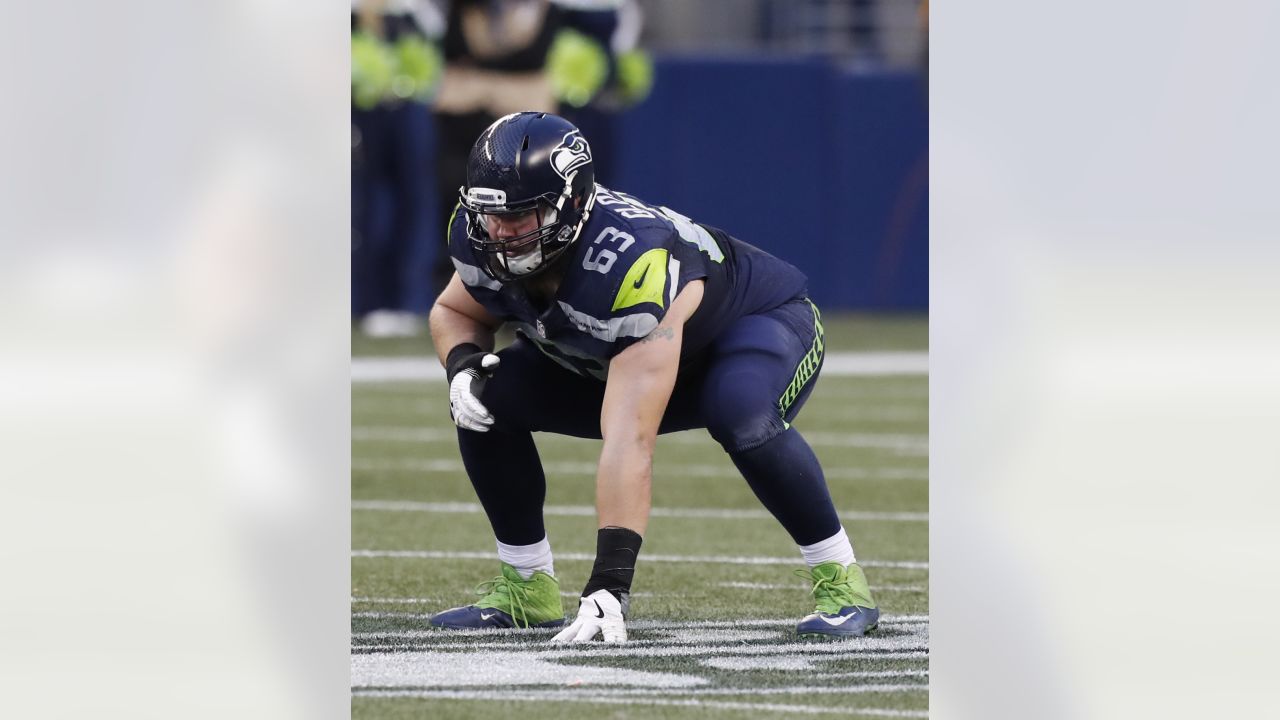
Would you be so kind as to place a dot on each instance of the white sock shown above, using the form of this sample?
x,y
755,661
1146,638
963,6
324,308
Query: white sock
x,y
836,548
528,559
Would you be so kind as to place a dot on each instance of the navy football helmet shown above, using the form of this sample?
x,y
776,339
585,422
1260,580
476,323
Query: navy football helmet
x,y
530,187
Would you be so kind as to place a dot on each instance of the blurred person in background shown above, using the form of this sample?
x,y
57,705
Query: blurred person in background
x,y
394,70
632,320
597,70
495,54
924,46
578,57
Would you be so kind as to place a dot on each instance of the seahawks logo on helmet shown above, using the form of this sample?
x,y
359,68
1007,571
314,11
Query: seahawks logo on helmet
x,y
573,153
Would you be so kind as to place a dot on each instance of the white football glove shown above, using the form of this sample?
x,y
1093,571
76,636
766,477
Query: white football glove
x,y
599,613
465,408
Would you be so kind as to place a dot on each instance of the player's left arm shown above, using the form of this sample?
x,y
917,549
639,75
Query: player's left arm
x,y
635,397
636,394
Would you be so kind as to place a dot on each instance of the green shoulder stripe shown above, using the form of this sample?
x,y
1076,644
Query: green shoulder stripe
x,y
646,281
449,226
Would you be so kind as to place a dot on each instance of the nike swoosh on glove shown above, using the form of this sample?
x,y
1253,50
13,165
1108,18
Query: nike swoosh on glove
x,y
599,613
465,407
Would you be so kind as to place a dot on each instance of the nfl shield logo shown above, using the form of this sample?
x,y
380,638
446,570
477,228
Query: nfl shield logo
x,y
542,329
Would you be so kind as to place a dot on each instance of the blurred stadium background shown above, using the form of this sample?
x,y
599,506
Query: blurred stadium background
x,y
800,126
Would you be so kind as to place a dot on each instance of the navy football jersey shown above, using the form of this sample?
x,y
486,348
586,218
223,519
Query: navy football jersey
x,y
627,265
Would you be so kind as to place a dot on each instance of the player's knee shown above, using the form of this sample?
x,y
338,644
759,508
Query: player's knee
x,y
738,413
745,431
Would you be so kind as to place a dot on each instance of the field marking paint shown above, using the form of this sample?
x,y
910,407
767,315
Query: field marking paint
x,y
496,668
845,650
629,693
589,511
905,643
846,364
910,645
433,601
708,559
569,696
916,388
877,673
761,662
843,364
869,414
902,443
713,636
889,620
800,586
589,468
791,663
455,664
737,585
471,670
680,624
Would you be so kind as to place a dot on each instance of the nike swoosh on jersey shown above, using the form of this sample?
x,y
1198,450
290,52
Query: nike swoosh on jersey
x,y
640,281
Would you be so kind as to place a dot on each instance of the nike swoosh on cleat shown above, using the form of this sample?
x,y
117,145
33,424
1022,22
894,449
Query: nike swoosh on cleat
x,y
835,622
642,275
599,612
486,617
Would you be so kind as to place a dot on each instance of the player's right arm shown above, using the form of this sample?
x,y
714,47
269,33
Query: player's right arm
x,y
463,333
457,319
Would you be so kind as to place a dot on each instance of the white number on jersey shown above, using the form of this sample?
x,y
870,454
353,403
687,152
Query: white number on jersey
x,y
605,258
630,207
601,262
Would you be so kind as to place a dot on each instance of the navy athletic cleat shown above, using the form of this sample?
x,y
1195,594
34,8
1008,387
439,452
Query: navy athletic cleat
x,y
844,604
509,601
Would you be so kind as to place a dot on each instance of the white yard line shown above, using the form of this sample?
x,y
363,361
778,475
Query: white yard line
x,y
589,468
798,586
868,648
866,413
843,649
902,443
792,690
630,693
679,625
589,511
707,559
846,364
878,391
400,369
761,707
395,369
739,585
877,673
573,696
889,620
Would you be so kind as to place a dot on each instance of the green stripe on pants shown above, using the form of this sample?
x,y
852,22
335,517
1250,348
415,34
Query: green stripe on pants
x,y
808,366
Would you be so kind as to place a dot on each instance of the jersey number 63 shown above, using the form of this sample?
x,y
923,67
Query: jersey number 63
x,y
601,259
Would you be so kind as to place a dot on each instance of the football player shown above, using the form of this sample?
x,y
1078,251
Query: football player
x,y
632,320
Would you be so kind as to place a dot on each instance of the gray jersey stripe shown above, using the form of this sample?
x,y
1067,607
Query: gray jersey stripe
x,y
637,325
474,276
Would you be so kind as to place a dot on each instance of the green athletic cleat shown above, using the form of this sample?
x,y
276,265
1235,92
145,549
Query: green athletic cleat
x,y
844,604
509,601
